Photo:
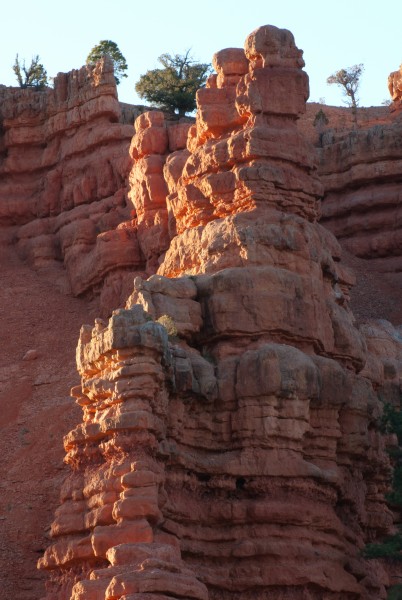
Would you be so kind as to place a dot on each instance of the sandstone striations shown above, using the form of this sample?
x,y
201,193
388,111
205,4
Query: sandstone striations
x,y
229,447
360,166
150,147
64,168
361,173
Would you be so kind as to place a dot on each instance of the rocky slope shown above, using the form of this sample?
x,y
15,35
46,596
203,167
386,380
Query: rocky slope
x,y
229,446
39,325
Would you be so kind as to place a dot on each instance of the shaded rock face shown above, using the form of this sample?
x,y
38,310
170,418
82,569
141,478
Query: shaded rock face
x,y
229,447
320,119
64,168
39,326
360,171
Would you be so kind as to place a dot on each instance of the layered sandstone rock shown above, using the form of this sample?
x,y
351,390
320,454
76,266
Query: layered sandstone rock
x,y
361,176
151,145
64,168
111,509
360,169
229,447
65,164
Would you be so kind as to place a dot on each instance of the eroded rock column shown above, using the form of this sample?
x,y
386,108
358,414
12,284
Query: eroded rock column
x,y
106,532
230,435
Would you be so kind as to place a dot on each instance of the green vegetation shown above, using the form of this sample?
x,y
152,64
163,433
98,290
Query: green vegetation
x,y
391,547
391,422
395,593
109,48
174,87
349,80
34,76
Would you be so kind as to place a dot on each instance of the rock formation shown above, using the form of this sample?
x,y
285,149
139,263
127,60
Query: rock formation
x,y
64,168
360,171
151,145
229,447
395,87
321,119
360,167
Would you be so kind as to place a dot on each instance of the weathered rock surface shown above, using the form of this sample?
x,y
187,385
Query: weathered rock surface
x,y
322,118
360,171
231,450
149,149
360,166
64,168
395,88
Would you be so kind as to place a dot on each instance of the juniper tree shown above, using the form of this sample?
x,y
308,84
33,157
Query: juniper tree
x,y
349,80
173,87
34,76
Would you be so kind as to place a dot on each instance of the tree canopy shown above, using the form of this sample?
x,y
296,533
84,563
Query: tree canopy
x,y
109,48
349,80
34,76
173,87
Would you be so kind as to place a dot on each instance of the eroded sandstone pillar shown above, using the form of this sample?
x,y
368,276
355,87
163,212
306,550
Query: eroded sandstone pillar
x,y
229,447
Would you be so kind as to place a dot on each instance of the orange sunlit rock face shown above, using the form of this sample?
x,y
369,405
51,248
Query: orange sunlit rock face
x,y
395,87
149,149
229,446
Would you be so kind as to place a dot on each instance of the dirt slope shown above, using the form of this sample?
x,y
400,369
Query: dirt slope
x,y
36,412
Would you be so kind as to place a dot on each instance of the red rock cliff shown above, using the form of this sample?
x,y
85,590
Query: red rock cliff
x,y
64,168
361,175
360,167
67,233
229,447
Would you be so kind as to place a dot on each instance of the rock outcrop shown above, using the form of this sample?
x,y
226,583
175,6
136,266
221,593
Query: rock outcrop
x,y
154,141
230,444
395,88
64,167
361,173
65,162
320,119
360,166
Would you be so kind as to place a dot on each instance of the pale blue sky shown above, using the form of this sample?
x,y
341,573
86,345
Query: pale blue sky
x,y
332,34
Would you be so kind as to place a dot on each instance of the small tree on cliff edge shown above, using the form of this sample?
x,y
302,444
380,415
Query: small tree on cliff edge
x,y
349,80
34,76
174,87
109,48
